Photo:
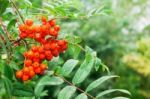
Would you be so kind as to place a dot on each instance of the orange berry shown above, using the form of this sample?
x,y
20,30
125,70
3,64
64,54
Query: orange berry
x,y
49,57
37,60
43,66
48,53
25,77
37,28
44,19
40,49
52,22
19,74
37,70
61,42
31,68
35,65
56,27
55,52
37,36
22,27
28,62
47,46
29,22
23,35
32,73
42,56
26,70
29,54
53,46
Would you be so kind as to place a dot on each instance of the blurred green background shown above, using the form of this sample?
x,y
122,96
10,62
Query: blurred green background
x,y
119,31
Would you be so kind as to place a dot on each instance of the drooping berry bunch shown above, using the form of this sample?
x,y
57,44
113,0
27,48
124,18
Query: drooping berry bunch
x,y
50,47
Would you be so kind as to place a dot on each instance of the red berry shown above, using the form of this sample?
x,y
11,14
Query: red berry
x,y
32,73
52,22
43,66
61,42
47,46
31,68
53,46
42,56
49,57
26,70
29,22
34,48
28,62
56,27
25,77
55,52
36,60
35,65
22,27
29,54
23,35
38,70
48,53
37,36
44,19
36,55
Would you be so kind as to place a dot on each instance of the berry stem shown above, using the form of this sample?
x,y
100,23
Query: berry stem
x,y
75,86
78,46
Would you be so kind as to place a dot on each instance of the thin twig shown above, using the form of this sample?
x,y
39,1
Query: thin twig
x,y
19,14
4,28
75,86
66,17
14,5
78,46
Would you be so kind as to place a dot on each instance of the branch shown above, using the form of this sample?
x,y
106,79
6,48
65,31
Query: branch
x,y
75,86
78,46
17,11
4,29
21,17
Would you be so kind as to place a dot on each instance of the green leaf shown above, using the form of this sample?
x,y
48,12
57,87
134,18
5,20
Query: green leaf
x,y
18,56
84,69
68,66
28,2
97,63
8,72
22,93
74,50
11,23
8,87
82,96
44,93
46,80
98,82
66,92
3,6
22,90
14,65
91,12
73,39
120,98
104,67
110,91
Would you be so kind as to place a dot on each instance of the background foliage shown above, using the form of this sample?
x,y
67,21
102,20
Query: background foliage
x,y
118,30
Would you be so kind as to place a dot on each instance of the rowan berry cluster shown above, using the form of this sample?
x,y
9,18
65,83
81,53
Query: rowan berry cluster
x,y
39,32
49,47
